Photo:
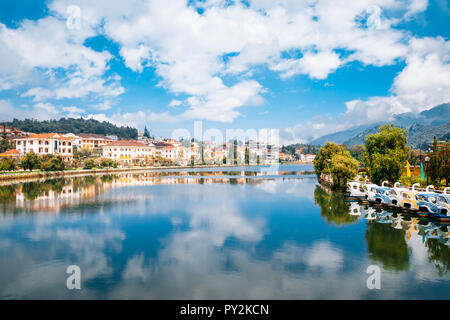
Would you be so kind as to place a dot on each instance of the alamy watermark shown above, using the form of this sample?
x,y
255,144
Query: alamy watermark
x,y
374,280
73,281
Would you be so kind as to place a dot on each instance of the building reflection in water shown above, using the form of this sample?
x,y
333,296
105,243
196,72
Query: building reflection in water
x,y
263,237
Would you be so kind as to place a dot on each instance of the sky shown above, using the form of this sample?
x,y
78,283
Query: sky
x,y
305,67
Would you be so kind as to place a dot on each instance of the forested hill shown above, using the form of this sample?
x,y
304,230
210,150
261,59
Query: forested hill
x,y
79,125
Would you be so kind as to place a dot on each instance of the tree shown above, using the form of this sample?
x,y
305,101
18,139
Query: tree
x,y
53,164
89,164
105,163
343,168
247,156
386,153
435,144
30,161
323,159
146,133
438,167
192,160
335,160
8,164
357,151
235,155
224,160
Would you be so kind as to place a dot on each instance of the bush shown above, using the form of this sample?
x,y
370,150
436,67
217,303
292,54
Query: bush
x,y
53,164
30,161
108,163
8,164
89,164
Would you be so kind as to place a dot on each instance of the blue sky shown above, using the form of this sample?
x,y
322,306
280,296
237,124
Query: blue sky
x,y
307,67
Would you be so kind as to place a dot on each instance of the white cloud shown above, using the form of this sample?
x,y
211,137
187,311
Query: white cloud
x,y
422,84
175,103
187,49
53,60
196,54
317,66
39,111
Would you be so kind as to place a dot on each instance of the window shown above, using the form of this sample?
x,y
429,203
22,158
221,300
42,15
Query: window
x,y
46,142
46,149
40,142
18,143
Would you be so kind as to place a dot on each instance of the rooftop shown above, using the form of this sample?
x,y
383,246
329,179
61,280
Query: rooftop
x,y
126,143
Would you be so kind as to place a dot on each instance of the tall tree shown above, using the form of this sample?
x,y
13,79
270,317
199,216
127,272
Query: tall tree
x,y
386,153
146,132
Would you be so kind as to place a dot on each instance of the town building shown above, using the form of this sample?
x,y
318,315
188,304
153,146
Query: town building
x,y
46,143
129,151
12,153
10,131
90,141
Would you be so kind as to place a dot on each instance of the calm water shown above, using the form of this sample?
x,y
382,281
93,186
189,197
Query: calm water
x,y
211,234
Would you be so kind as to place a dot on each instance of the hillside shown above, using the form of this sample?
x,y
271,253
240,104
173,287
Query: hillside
x,y
79,125
426,124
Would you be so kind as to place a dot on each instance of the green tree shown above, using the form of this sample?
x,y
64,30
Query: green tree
x,y
30,161
235,155
386,153
438,167
53,164
89,164
247,156
357,151
435,144
343,168
335,160
8,164
224,160
108,163
192,160
146,133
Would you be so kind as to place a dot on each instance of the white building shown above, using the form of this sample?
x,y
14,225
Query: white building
x,y
46,143
128,151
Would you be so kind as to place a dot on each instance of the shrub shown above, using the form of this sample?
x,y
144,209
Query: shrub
x,y
8,164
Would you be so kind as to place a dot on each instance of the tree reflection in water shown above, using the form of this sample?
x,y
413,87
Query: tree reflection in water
x,y
388,246
333,207
439,255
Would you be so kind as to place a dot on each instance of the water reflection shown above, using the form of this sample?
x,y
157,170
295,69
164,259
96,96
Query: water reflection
x,y
211,235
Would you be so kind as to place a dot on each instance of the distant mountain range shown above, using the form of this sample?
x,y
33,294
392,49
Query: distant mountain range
x,y
422,127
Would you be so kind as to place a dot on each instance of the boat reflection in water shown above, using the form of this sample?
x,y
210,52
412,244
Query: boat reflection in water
x,y
212,235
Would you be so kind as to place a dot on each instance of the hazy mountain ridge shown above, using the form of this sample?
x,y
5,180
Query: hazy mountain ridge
x,y
422,127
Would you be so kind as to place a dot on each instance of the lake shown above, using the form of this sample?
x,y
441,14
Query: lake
x,y
222,233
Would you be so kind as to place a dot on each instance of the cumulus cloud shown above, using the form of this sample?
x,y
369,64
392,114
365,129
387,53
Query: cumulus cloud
x,y
39,111
207,51
421,85
48,53
193,52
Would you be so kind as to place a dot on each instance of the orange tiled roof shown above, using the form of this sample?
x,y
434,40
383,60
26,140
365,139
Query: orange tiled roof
x,y
126,143
11,152
46,136
93,135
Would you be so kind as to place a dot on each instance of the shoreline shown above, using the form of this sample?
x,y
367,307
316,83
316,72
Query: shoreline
x,y
26,175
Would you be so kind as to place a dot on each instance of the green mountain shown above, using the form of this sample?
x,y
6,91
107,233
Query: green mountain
x,y
422,127
79,125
